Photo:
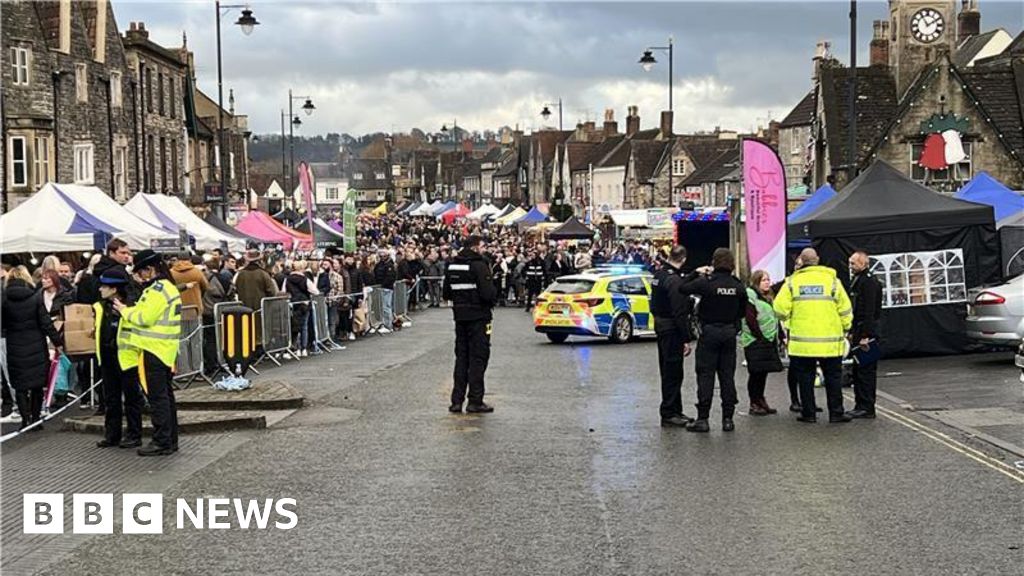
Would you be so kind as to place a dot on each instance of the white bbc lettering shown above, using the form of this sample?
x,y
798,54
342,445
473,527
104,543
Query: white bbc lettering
x,y
291,514
142,513
196,517
217,508
253,510
43,514
92,514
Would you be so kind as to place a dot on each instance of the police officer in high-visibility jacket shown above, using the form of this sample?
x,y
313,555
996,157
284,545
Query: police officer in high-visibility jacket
x,y
119,381
153,327
818,312
470,288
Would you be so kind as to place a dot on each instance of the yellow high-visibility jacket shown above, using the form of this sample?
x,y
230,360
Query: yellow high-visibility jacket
x,y
127,355
153,324
817,311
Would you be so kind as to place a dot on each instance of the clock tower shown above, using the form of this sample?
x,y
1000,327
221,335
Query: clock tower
x,y
920,31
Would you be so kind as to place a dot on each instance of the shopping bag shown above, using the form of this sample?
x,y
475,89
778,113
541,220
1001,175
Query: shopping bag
x,y
62,377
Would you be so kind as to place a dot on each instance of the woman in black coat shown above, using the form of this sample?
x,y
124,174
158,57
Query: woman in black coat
x,y
27,325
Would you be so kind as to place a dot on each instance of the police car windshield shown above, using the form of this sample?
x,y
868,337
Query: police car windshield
x,y
571,286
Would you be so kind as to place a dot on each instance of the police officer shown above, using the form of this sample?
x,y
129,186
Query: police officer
x,y
470,288
536,272
671,309
118,380
814,304
722,306
153,327
866,297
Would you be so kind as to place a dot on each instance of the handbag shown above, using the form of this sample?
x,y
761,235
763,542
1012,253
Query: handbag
x,y
763,356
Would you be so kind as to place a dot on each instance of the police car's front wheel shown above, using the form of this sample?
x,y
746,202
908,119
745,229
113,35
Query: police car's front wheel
x,y
622,329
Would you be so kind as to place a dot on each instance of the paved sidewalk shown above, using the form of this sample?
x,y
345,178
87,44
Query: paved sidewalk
x,y
54,461
980,394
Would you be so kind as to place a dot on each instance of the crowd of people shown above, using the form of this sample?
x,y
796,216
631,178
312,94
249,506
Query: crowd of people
x,y
390,250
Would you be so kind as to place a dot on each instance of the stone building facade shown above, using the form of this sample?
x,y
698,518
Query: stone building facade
x,y
69,53
159,96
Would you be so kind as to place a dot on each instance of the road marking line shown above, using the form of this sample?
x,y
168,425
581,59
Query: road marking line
x,y
964,449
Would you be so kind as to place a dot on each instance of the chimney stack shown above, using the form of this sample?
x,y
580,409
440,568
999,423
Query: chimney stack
x,y
611,127
632,120
666,124
137,31
880,44
821,54
968,22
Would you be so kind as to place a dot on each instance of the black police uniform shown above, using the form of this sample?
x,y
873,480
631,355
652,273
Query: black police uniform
x,y
535,271
866,296
118,382
470,288
723,304
671,309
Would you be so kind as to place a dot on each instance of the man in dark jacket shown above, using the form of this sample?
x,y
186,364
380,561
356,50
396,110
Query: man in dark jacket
x,y
723,306
671,309
469,286
866,297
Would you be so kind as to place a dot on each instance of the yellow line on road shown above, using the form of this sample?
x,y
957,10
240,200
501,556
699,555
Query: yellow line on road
x,y
976,455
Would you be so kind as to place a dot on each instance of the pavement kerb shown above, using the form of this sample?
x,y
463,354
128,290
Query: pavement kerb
x,y
1001,444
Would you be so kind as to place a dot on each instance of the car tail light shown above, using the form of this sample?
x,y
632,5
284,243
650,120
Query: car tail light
x,y
988,299
590,302
541,301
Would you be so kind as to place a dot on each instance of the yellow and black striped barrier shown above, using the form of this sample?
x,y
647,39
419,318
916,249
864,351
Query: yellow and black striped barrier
x,y
238,338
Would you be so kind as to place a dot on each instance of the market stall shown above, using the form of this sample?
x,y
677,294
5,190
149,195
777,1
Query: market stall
x,y
571,229
69,217
926,249
457,212
172,214
261,226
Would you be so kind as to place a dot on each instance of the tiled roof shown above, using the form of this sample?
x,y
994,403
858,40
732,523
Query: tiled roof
x,y
579,154
803,113
877,105
969,49
999,92
723,167
603,149
703,148
545,141
647,155
330,170
493,155
369,168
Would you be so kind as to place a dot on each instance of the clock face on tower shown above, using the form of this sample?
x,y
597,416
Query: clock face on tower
x,y
927,25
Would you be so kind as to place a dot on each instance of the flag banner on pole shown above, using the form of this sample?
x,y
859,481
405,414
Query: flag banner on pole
x,y
764,189
349,221
306,182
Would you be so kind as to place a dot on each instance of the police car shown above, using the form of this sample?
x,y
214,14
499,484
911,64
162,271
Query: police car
x,y
612,302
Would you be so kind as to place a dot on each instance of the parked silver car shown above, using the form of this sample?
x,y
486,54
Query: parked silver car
x,y
995,314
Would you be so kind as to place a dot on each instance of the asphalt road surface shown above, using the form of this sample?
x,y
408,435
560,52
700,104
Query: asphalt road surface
x,y
572,475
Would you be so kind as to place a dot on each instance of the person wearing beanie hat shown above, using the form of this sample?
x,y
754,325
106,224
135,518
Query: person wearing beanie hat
x,y
148,341
118,381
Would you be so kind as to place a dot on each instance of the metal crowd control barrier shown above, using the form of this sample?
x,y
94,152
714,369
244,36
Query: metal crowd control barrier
x,y
322,325
189,364
400,301
276,328
375,309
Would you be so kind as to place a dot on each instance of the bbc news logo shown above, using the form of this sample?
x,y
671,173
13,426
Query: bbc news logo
x,y
144,514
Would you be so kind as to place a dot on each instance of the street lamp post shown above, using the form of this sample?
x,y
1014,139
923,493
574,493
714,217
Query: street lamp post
x,y
546,113
453,191
647,62
247,22
308,108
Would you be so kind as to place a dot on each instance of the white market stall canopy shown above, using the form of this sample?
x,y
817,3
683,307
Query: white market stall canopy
x,y
70,218
426,209
485,211
170,213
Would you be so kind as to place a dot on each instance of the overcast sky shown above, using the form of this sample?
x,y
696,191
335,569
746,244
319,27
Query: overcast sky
x,y
392,66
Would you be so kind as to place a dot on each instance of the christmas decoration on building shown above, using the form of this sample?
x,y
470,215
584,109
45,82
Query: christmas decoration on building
x,y
943,142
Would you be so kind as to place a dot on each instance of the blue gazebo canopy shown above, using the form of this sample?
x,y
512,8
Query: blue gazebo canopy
x,y
533,216
984,189
809,206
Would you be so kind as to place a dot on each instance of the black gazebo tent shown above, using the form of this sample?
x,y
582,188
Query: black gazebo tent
x,y
287,216
927,250
1011,239
572,229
